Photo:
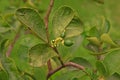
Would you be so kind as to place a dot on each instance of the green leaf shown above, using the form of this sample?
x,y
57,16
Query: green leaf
x,y
106,26
55,62
115,76
4,29
3,45
112,62
3,75
82,61
92,75
101,68
67,74
93,32
33,21
40,54
29,40
74,28
107,39
75,79
10,69
1,66
10,34
61,19
40,73
27,77
84,77
20,54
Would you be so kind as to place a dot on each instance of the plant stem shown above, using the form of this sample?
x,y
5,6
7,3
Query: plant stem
x,y
63,66
49,65
60,59
46,19
10,47
99,57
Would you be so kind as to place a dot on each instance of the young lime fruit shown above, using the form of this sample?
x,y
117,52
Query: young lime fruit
x,y
62,35
68,42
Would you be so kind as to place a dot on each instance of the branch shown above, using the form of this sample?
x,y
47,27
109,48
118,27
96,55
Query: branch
x,y
12,45
46,19
69,64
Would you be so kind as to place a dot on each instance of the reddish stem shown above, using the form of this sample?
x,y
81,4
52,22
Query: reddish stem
x,y
46,19
49,65
12,45
63,66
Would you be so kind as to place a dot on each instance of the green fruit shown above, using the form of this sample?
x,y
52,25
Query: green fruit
x,y
68,43
62,35
53,41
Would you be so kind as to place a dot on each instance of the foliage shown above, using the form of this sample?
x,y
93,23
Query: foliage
x,y
81,41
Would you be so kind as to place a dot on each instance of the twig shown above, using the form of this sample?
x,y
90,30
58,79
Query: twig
x,y
46,19
63,66
99,57
12,45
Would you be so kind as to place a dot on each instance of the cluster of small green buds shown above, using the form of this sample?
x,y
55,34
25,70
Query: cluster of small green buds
x,y
56,42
